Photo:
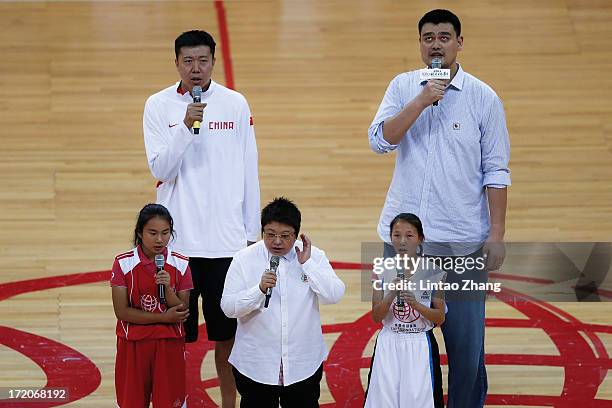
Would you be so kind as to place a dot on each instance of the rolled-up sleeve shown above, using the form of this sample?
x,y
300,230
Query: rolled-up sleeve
x,y
390,106
495,147
239,300
322,278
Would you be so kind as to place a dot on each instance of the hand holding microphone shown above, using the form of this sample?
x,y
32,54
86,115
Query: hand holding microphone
x,y
433,91
436,63
436,78
162,278
403,295
399,301
268,280
195,111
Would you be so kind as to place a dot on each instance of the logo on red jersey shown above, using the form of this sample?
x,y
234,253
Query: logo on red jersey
x,y
148,303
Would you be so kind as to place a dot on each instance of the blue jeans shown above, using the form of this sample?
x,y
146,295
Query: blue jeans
x,y
463,330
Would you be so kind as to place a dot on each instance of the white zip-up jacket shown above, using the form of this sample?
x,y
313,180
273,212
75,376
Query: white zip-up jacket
x,y
208,182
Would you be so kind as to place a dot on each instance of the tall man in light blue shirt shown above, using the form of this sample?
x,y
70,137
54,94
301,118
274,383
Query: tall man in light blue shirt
x,y
452,171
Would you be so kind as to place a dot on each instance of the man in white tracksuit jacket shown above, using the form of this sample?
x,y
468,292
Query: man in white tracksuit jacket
x,y
208,181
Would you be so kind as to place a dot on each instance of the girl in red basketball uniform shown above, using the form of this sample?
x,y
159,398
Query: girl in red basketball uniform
x,y
150,362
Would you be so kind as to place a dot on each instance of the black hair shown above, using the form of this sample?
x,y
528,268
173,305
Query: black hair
x,y
410,219
151,211
194,38
281,210
440,16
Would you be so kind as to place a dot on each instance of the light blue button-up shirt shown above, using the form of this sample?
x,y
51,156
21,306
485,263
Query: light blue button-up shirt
x,y
445,160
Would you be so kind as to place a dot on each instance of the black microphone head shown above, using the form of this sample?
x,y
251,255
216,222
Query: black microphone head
x,y
159,261
436,62
197,93
274,261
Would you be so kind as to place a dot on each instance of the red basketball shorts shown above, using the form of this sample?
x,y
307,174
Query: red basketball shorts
x,y
148,370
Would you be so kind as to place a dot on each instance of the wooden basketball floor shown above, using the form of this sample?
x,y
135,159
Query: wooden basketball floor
x,y
73,80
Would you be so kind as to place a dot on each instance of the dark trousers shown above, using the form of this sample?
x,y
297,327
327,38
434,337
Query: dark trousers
x,y
303,394
208,275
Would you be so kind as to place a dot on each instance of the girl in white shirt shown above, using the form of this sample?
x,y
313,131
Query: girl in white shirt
x,y
405,370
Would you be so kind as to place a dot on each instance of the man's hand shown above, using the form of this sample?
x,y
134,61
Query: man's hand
x,y
304,254
432,92
268,280
494,251
195,111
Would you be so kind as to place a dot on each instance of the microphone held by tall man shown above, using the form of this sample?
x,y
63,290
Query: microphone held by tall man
x,y
435,72
197,98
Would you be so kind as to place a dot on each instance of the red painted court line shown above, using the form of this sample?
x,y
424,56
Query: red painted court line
x,y
583,369
11,289
583,375
354,266
225,44
602,292
63,366
527,279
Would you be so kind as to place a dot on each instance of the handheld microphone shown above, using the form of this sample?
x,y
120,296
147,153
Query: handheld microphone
x,y
159,263
436,63
274,261
197,98
398,301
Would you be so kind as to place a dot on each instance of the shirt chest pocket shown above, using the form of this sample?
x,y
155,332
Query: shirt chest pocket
x,y
462,130
299,286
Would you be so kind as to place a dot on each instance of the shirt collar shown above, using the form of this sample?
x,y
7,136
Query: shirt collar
x,y
289,256
180,91
457,81
146,261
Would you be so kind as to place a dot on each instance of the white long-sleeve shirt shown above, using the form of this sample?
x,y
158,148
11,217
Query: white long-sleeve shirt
x,y
209,182
290,328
